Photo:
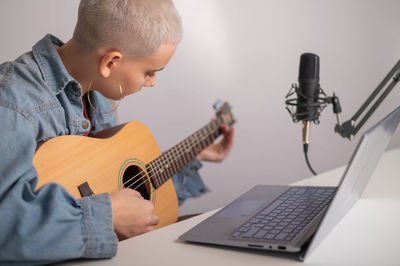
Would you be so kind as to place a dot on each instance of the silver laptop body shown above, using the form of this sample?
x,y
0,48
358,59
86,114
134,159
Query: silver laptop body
x,y
234,224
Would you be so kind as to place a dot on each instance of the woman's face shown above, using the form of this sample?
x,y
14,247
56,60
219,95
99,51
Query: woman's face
x,y
134,73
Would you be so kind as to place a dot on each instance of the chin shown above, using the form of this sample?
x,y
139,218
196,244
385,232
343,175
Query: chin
x,y
136,91
118,98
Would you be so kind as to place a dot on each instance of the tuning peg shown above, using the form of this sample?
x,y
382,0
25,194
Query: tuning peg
x,y
217,106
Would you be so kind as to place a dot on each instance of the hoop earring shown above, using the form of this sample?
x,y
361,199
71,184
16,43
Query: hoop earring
x,y
94,108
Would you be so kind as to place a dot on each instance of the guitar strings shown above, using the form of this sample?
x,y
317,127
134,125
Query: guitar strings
x,y
214,126
155,169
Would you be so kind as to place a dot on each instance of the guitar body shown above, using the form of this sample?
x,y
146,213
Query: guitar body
x,y
111,161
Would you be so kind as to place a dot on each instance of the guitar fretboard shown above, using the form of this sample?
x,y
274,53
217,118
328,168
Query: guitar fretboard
x,y
174,159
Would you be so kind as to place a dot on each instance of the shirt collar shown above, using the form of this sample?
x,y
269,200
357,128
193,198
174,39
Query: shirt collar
x,y
53,70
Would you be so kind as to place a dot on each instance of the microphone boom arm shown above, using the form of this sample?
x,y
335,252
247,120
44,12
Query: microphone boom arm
x,y
349,128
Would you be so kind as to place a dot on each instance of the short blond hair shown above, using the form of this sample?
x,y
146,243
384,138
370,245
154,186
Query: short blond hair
x,y
137,27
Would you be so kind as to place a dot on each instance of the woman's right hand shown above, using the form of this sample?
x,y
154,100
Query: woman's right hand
x,y
132,214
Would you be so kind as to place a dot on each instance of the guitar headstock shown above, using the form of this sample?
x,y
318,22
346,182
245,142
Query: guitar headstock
x,y
223,112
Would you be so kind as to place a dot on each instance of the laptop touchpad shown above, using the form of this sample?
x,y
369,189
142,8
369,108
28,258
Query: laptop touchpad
x,y
241,208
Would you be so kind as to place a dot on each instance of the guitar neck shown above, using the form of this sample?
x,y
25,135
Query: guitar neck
x,y
174,159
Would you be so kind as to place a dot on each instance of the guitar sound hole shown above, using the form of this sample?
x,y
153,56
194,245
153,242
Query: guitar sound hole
x,y
135,179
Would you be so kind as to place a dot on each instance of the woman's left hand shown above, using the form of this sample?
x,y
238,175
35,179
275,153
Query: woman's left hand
x,y
217,152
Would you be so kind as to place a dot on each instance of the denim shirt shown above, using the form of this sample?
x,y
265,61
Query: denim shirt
x,y
40,100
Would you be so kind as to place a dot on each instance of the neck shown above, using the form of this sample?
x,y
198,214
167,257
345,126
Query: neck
x,y
170,162
78,63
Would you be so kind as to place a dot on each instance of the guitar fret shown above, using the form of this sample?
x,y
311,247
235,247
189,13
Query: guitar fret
x,y
189,148
163,170
178,162
172,162
203,136
160,171
167,164
196,142
149,170
158,174
178,159
185,150
165,167
200,141
184,157
155,174
214,133
207,137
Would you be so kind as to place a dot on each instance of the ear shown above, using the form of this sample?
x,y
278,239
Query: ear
x,y
108,61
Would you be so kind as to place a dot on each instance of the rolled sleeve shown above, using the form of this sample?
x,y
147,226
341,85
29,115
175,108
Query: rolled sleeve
x,y
101,241
188,183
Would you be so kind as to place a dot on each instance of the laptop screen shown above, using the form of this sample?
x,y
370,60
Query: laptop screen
x,y
362,164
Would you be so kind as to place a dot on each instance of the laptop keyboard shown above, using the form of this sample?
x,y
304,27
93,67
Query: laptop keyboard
x,y
287,215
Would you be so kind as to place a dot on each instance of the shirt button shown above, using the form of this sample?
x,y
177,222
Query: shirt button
x,y
85,124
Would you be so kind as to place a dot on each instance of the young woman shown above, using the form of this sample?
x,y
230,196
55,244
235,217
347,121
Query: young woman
x,y
58,88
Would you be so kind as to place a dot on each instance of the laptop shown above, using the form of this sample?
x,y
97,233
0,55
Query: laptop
x,y
295,219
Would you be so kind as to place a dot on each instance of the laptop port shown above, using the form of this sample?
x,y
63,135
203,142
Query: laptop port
x,y
255,246
281,248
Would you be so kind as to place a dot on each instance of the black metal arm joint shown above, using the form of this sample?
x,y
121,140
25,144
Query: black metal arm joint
x,y
346,130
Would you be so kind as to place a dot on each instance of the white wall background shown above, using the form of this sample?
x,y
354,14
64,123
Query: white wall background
x,y
247,52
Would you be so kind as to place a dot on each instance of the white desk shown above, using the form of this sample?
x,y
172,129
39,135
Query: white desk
x,y
367,235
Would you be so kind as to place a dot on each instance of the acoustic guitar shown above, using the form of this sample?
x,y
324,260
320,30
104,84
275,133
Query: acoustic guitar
x,y
125,156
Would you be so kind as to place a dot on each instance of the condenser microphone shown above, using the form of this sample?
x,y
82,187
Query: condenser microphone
x,y
306,100
307,94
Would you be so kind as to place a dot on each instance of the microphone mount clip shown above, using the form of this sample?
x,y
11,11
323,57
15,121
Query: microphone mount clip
x,y
315,108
